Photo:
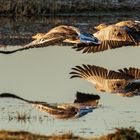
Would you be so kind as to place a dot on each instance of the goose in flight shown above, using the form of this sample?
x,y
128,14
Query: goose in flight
x,y
83,104
124,33
125,82
56,35
129,23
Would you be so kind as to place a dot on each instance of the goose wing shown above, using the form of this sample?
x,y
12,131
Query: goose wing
x,y
39,43
129,23
111,37
132,72
59,34
54,36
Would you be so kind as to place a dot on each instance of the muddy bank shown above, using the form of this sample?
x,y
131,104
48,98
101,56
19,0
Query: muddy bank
x,y
46,7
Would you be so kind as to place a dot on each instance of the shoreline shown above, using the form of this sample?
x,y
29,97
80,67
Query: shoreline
x,y
119,134
82,14
58,7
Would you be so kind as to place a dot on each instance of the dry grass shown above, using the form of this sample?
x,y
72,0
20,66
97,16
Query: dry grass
x,y
25,117
20,117
20,135
23,135
120,134
124,134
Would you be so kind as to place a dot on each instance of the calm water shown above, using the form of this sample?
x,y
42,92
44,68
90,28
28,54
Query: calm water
x,y
43,74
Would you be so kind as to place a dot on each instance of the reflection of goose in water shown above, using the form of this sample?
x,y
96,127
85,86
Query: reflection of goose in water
x,y
83,104
59,34
125,82
124,33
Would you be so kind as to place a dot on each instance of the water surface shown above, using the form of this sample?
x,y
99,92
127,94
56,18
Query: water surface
x,y
43,74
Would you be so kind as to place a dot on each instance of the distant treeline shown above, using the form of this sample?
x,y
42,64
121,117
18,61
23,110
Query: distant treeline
x,y
58,7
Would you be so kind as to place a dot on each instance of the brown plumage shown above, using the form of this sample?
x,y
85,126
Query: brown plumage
x,y
125,33
129,23
56,35
38,36
83,102
108,80
101,26
69,34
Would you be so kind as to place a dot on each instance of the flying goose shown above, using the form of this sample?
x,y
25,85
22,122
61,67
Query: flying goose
x,y
125,82
129,23
124,33
58,34
83,104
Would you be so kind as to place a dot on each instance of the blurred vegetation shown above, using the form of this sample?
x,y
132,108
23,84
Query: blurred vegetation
x,y
56,7
123,134
120,134
20,117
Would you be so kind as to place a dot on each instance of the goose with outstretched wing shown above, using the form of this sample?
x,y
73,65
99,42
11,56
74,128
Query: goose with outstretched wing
x,y
129,23
124,33
83,104
57,35
125,82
